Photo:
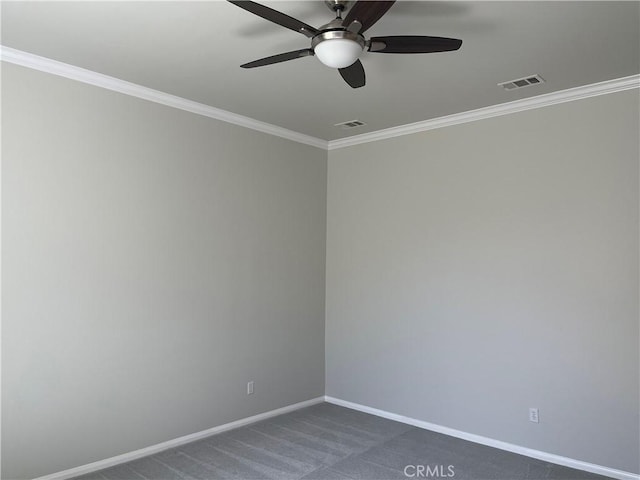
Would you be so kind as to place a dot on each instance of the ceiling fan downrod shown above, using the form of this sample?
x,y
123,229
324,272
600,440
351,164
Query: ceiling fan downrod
x,y
338,6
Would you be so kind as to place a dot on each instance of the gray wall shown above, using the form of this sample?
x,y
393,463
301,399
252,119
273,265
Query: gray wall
x,y
479,270
154,262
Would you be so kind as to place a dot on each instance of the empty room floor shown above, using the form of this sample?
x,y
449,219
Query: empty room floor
x,y
328,442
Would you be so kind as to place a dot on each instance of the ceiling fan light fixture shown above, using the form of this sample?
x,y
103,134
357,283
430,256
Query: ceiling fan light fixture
x,y
339,43
338,48
338,52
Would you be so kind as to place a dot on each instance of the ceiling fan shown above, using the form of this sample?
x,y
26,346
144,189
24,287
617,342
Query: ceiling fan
x,y
339,43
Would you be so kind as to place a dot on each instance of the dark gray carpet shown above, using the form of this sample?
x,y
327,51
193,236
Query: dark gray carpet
x,y
327,442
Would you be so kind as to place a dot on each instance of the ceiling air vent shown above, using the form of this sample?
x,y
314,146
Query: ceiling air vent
x,y
522,82
350,124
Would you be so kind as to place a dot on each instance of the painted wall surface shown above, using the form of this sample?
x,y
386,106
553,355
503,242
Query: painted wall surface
x,y
154,262
479,270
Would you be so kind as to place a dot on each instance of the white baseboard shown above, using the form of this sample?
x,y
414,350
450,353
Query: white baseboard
x,y
143,452
509,447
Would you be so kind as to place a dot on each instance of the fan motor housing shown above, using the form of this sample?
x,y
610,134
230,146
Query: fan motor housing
x,y
332,34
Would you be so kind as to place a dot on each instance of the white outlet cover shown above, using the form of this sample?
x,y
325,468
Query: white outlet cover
x,y
534,415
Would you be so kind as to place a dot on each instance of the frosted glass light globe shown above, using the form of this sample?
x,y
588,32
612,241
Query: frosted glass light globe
x,y
338,52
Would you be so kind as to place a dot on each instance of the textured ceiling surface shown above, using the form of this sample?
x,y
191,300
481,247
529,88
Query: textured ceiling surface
x,y
194,49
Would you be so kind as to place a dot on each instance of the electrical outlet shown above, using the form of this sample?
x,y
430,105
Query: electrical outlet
x,y
533,415
250,387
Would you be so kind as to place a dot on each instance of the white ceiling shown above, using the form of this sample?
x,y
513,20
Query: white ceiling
x,y
194,49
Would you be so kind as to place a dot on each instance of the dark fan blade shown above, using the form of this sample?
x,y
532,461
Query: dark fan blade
x,y
354,75
282,57
367,13
413,44
277,17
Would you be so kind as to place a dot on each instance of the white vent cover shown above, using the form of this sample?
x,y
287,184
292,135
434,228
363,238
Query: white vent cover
x,y
522,82
350,124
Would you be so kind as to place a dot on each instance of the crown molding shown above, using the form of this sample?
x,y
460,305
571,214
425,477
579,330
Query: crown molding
x,y
66,70
571,94
43,64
